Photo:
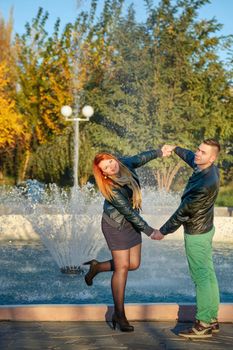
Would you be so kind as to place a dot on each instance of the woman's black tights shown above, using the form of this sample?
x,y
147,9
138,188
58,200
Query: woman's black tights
x,y
122,262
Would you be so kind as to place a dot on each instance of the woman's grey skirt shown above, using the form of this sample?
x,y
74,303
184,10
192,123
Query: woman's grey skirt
x,y
121,238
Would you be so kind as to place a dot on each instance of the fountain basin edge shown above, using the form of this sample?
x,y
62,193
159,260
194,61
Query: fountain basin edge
x,y
18,227
103,312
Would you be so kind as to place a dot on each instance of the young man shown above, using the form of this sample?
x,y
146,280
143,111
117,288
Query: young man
x,y
196,213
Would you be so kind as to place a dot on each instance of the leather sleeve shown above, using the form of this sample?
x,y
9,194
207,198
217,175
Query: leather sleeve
x,y
188,207
141,159
121,203
186,155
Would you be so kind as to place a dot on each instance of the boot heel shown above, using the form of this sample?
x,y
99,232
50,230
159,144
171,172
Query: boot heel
x,y
121,323
92,271
113,323
87,262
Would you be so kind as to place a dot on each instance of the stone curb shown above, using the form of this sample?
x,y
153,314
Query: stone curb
x,y
102,312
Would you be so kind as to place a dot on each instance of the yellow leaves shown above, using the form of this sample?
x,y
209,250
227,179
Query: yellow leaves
x,y
213,41
48,79
171,30
4,79
96,58
39,133
12,125
6,29
33,99
49,122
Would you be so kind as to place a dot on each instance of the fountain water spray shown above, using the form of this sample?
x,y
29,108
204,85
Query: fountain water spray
x,y
67,221
69,230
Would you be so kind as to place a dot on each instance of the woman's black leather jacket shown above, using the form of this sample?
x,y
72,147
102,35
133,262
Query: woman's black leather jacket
x,y
120,208
196,210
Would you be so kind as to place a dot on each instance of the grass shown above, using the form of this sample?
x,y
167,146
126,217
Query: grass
x,y
225,196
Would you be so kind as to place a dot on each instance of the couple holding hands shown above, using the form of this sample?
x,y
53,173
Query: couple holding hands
x,y
122,225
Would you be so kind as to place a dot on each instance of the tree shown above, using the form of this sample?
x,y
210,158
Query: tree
x,y
189,79
164,84
12,124
149,83
45,81
55,71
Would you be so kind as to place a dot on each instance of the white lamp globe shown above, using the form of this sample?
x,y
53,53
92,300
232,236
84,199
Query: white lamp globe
x,y
66,111
87,111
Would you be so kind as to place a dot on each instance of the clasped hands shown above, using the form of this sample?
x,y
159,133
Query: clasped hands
x,y
156,235
167,150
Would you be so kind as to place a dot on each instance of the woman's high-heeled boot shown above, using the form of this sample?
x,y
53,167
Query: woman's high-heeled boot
x,y
122,323
92,271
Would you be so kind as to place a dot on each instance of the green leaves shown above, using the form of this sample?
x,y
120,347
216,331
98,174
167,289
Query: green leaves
x,y
150,83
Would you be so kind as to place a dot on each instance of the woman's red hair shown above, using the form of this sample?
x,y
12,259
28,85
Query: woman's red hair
x,y
104,183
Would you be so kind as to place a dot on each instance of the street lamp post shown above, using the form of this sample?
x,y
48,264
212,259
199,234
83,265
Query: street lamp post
x,y
87,112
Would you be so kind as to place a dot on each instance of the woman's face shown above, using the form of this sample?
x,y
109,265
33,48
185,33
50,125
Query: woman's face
x,y
109,166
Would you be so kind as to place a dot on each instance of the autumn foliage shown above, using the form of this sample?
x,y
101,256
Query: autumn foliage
x,y
149,83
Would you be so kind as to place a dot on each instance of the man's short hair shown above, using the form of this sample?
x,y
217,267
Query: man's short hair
x,y
213,143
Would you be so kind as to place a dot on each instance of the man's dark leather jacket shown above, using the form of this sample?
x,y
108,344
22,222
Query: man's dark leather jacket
x,y
196,210
120,208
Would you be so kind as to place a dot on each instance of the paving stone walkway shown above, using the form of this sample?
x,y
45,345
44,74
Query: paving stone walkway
x,y
100,336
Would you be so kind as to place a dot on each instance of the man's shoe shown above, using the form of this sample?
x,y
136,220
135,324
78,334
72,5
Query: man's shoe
x,y
215,326
199,330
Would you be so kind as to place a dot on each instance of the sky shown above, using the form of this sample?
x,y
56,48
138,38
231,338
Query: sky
x,y
67,11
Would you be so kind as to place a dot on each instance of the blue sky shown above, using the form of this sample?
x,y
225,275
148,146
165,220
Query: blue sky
x,y
67,10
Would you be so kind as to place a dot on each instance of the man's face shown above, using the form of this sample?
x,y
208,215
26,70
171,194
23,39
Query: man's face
x,y
205,155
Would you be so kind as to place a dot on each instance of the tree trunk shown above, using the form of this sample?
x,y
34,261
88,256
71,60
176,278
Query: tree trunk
x,y
23,167
166,176
1,176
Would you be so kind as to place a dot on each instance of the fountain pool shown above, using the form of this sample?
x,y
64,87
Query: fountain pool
x,y
29,275
37,238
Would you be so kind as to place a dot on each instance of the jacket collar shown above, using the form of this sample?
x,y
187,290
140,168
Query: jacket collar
x,y
198,173
197,170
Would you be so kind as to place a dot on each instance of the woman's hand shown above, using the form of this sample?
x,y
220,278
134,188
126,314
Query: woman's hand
x,y
156,235
167,150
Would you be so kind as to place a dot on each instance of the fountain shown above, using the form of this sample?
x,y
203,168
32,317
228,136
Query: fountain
x,y
67,222
63,219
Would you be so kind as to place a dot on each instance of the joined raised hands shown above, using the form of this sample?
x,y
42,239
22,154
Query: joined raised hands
x,y
156,235
167,150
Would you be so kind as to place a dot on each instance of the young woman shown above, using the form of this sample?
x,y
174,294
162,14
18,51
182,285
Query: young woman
x,y
121,223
